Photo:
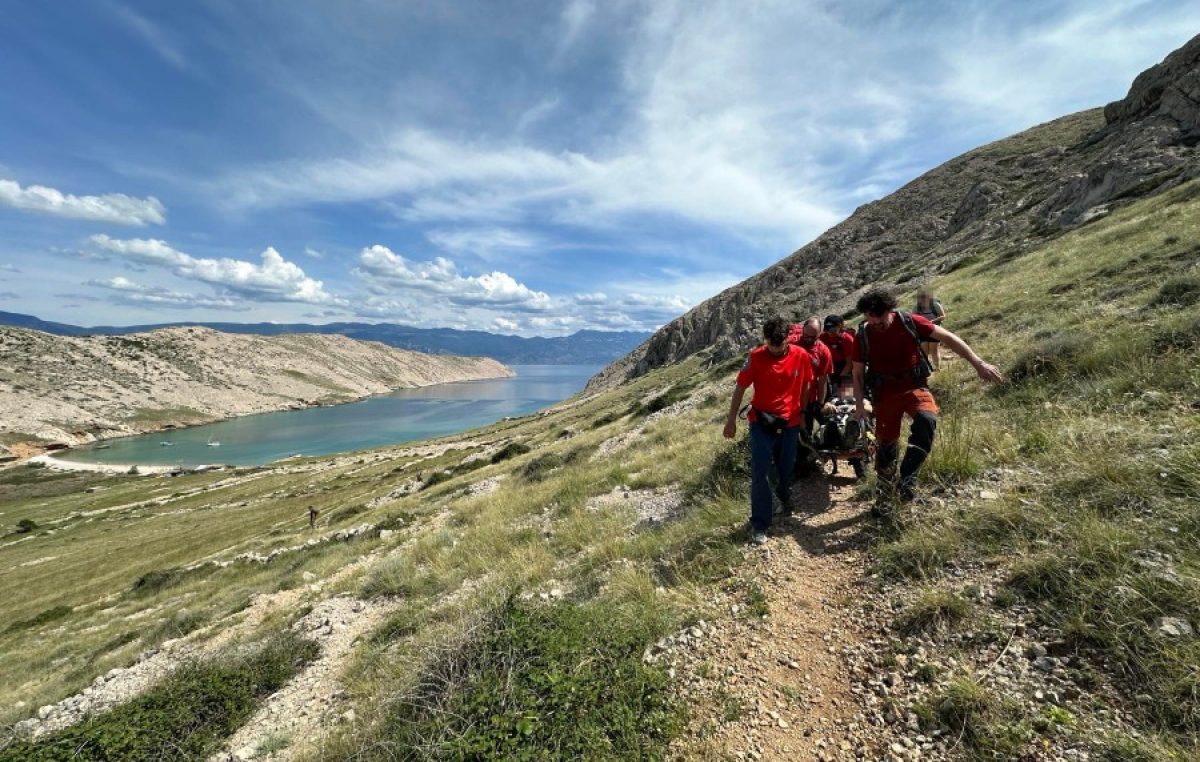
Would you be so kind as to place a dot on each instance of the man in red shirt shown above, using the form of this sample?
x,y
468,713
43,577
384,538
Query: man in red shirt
x,y
780,374
806,336
888,364
841,346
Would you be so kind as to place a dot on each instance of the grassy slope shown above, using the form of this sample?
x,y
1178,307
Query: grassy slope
x,y
1101,434
1097,525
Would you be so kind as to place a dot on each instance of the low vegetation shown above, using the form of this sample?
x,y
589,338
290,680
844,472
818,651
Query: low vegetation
x,y
186,717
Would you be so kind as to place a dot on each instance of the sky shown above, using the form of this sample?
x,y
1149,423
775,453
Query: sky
x,y
520,167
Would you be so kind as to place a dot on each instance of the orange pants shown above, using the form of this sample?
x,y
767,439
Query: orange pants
x,y
891,407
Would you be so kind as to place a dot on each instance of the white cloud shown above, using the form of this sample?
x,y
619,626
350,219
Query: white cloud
x,y
383,269
129,292
275,279
310,251
480,241
6,267
506,325
152,35
599,297
111,207
575,17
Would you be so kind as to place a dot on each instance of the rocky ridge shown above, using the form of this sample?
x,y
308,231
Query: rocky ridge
x,y
79,389
998,201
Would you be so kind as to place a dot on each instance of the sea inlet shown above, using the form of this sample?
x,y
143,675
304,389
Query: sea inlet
x,y
401,416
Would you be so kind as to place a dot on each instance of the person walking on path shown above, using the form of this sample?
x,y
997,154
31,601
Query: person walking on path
x,y
312,517
890,365
933,311
841,346
807,336
780,374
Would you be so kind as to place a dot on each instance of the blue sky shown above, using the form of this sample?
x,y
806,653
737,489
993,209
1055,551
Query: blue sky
x,y
521,167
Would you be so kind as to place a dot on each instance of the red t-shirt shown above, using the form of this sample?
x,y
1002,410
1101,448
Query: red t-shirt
x,y
840,344
777,381
822,365
894,351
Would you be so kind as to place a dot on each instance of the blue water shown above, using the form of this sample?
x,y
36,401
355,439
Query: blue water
x,y
402,416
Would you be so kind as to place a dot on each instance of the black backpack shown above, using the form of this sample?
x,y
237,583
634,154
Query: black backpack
x,y
919,372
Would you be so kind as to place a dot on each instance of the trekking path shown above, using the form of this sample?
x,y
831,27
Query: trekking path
x,y
779,687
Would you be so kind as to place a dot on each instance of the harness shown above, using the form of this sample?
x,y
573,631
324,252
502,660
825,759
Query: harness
x,y
919,372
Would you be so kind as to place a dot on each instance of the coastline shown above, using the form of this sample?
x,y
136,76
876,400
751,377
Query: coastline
x,y
43,452
49,461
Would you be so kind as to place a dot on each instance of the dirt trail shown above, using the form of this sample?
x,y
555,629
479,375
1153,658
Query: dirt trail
x,y
777,687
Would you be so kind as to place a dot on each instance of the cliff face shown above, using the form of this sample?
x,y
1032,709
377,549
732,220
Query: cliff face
x,y
996,201
75,389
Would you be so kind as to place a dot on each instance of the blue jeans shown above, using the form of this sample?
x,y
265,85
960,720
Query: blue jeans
x,y
766,447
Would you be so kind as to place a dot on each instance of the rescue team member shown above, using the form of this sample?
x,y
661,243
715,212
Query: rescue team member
x,y
806,336
888,363
841,346
780,374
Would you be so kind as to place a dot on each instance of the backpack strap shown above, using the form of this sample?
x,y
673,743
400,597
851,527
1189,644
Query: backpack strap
x,y
921,370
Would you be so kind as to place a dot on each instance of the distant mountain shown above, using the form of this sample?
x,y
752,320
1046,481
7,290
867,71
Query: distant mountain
x,y
580,348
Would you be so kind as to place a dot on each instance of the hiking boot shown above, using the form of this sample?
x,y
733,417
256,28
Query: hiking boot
x,y
758,537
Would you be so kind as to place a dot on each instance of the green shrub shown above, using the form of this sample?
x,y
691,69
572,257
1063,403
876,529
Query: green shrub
x,y
510,450
1183,291
49,615
186,717
560,682
1050,357
933,609
918,553
437,477
25,526
160,579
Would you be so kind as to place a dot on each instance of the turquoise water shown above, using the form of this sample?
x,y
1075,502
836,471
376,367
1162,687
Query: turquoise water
x,y
387,419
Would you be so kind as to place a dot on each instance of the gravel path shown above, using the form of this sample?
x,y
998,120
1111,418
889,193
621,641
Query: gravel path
x,y
775,686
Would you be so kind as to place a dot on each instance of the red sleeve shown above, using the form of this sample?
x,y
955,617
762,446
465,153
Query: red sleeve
x,y
745,376
849,345
923,326
856,352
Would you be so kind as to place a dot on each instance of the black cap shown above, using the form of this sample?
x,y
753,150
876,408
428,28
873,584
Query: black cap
x,y
833,321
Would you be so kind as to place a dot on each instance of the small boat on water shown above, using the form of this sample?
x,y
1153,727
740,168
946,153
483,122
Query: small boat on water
x,y
165,443
212,443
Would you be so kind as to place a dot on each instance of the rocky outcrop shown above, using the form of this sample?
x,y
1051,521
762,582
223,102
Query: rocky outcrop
x,y
1003,198
78,389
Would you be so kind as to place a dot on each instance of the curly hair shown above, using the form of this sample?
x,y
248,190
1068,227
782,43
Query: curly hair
x,y
877,301
775,330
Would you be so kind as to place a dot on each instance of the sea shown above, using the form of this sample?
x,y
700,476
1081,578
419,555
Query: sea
x,y
405,415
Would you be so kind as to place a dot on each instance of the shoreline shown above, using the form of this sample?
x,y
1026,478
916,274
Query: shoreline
x,y
49,461
41,453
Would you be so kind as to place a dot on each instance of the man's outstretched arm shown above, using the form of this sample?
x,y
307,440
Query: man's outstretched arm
x,y
986,370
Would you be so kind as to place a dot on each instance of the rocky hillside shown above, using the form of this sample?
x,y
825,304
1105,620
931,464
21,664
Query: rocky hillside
x,y
76,389
997,201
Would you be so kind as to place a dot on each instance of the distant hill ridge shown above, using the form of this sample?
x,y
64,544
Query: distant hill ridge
x,y
580,348
996,202
75,389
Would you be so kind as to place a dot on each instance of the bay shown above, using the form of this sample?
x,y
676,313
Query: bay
x,y
401,416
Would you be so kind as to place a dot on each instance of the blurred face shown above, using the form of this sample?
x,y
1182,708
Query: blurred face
x,y
809,336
